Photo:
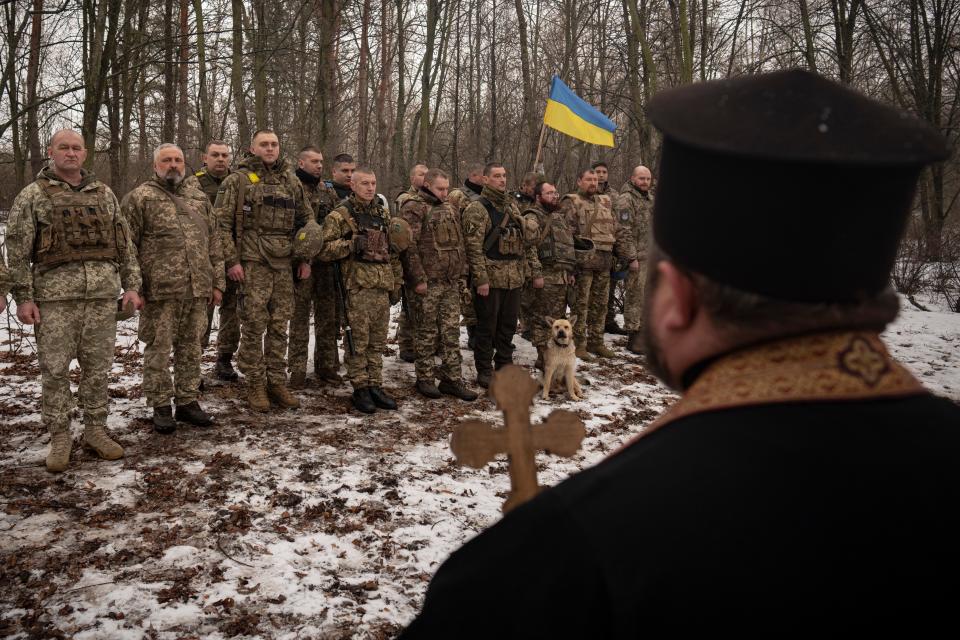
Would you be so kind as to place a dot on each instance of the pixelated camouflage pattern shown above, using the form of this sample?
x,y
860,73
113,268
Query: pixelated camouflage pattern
x,y
266,309
438,332
175,326
206,182
591,306
178,244
369,311
596,212
638,206
5,279
338,232
551,301
499,274
228,333
80,280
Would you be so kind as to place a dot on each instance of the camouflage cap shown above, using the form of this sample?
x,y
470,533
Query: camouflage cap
x,y
308,241
399,233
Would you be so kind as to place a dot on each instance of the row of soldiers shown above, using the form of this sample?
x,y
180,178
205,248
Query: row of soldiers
x,y
271,243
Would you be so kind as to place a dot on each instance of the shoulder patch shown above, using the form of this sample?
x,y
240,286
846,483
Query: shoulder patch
x,y
624,215
200,173
254,178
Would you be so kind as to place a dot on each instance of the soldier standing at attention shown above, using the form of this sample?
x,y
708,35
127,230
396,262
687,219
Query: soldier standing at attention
x,y
525,195
434,264
69,252
407,326
178,247
342,174
603,188
356,234
553,265
494,237
317,291
635,204
459,199
216,166
591,217
260,205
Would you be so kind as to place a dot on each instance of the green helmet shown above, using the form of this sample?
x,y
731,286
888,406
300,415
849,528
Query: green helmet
x,y
308,241
399,234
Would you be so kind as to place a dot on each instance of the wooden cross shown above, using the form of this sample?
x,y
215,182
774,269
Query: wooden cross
x,y
475,443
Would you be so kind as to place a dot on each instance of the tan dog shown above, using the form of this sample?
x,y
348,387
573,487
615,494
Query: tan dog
x,y
559,358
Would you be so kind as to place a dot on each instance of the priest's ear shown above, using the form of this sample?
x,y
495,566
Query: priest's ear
x,y
675,299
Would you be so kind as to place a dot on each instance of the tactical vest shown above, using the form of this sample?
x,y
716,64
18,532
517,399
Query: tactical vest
x,y
504,241
81,227
373,228
209,185
556,244
270,214
596,220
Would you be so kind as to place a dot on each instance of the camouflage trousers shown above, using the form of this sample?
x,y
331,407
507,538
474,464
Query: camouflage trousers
x,y
266,308
591,310
316,293
369,318
633,299
467,309
551,301
228,335
178,326
527,297
85,330
438,332
612,301
407,322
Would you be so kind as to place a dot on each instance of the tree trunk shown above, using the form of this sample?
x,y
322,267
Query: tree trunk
x,y
204,112
423,140
363,107
236,75
33,65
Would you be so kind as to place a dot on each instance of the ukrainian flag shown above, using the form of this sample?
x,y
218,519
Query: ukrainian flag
x,y
570,114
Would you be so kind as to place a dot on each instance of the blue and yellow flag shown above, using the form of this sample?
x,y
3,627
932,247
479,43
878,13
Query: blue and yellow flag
x,y
570,114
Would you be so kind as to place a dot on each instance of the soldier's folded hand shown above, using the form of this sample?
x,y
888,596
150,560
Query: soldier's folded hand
x,y
216,297
538,283
28,313
303,271
635,265
421,289
131,298
235,273
483,290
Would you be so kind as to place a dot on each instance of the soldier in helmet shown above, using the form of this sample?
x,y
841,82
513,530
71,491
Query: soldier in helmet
x,y
407,325
70,254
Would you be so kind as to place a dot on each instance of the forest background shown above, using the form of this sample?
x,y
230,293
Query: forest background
x,y
447,82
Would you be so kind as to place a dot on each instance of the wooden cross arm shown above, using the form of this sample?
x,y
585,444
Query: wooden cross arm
x,y
475,443
561,434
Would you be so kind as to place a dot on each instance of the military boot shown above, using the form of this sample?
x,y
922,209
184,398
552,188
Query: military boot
x,y
362,401
282,396
61,442
224,368
428,389
600,349
328,375
298,380
611,326
191,413
257,397
407,355
381,399
583,355
95,437
471,338
539,363
457,390
484,377
163,421
635,343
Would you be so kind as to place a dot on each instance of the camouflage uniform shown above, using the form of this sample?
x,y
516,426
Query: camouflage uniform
x,y
502,267
4,279
592,217
316,292
228,335
368,284
436,257
635,208
554,261
604,188
407,326
274,206
459,199
178,246
69,252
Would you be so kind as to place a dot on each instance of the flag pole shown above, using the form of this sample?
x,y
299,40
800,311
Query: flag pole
x,y
537,165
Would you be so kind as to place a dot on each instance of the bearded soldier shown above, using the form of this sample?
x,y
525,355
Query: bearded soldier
x,y
69,252
434,264
317,291
356,235
635,207
178,246
591,217
259,206
407,325
216,166
553,265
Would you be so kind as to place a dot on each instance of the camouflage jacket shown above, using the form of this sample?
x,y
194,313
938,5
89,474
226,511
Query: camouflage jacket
x,y
554,259
322,198
499,274
274,207
635,209
339,230
460,197
4,279
592,217
177,241
604,189
404,197
436,252
206,182
31,219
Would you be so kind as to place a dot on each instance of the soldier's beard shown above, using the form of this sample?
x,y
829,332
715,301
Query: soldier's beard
x,y
173,178
549,206
656,363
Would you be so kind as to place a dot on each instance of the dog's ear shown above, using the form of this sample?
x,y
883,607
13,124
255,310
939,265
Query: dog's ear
x,y
549,320
573,320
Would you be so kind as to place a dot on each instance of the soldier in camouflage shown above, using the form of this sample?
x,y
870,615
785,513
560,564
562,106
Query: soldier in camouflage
x,y
459,199
342,176
316,292
4,284
69,252
433,266
591,217
551,270
526,198
178,247
616,276
635,206
406,324
259,207
497,247
356,235
217,159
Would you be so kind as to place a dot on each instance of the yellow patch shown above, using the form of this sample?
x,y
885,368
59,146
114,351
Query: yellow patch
x,y
302,236
254,178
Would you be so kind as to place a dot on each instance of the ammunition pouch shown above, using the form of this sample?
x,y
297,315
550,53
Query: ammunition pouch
x,y
80,228
372,245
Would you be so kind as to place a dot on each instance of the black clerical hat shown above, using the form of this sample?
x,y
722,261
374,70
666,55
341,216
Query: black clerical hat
x,y
787,184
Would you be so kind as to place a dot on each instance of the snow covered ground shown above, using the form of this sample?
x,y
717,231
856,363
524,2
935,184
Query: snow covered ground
x,y
308,524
